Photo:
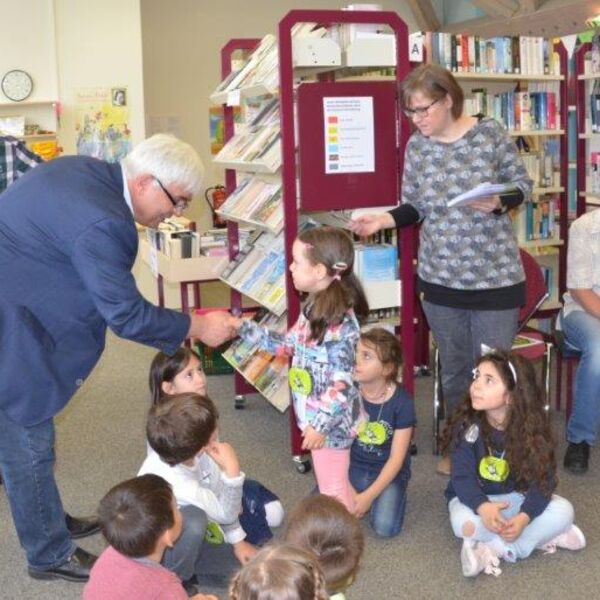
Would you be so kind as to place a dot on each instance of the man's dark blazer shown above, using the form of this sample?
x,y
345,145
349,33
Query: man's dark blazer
x,y
67,245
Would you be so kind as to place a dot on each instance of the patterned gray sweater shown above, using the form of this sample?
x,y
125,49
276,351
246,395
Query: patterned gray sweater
x,y
463,248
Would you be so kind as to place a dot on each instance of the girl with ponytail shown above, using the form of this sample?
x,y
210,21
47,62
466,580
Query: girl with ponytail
x,y
323,344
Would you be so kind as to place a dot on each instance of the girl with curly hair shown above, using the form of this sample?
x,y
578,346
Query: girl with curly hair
x,y
500,494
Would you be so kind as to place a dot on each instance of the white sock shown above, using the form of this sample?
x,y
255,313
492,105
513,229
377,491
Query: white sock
x,y
275,513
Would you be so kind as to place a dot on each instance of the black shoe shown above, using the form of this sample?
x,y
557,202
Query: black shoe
x,y
577,457
77,568
190,586
80,528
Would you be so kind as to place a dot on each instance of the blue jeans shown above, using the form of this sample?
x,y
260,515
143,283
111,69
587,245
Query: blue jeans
x,y
582,331
184,557
459,334
27,460
387,511
556,519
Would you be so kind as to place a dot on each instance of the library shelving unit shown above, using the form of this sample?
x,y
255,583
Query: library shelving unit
x,y
44,113
320,60
550,252
588,133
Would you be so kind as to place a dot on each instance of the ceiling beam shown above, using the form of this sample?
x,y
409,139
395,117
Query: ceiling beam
x,y
425,15
497,8
551,19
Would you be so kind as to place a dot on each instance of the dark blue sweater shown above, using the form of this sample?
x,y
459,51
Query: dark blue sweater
x,y
472,490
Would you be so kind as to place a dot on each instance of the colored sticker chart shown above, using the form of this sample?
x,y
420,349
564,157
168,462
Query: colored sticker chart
x,y
349,134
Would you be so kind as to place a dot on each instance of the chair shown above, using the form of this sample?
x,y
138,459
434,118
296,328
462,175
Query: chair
x,y
570,356
538,347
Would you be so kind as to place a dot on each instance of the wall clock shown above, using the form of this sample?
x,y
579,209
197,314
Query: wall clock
x,y
17,85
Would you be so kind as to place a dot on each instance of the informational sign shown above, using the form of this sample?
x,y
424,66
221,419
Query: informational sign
x,y
349,134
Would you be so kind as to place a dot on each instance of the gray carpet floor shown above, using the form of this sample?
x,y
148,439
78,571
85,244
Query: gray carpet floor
x,y
100,441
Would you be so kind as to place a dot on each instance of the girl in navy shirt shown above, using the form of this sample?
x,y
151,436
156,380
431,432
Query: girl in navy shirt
x,y
379,457
500,494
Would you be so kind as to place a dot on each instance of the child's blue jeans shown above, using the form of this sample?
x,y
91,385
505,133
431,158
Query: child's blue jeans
x,y
556,519
387,511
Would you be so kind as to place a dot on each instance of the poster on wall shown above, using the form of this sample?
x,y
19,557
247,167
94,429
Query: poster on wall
x,y
102,126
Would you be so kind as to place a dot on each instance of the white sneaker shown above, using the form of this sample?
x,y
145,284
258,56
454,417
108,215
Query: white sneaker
x,y
571,539
476,557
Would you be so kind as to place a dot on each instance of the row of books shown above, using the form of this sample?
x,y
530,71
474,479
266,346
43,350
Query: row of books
x,y
256,201
593,173
543,167
525,55
521,111
594,113
265,371
258,271
259,142
538,220
375,262
591,61
262,67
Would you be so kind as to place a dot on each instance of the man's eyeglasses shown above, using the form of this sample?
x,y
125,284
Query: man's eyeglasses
x,y
179,203
419,111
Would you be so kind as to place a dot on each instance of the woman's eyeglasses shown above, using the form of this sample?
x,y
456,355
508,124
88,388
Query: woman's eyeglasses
x,y
418,111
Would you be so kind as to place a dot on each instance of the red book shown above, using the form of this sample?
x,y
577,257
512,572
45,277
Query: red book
x,y
552,124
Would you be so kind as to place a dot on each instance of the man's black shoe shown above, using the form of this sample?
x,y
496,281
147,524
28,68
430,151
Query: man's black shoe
x,y
77,568
577,457
190,586
79,528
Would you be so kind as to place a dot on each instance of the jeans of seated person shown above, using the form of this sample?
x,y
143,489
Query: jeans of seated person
x,y
387,511
556,519
582,331
254,518
184,558
27,459
459,334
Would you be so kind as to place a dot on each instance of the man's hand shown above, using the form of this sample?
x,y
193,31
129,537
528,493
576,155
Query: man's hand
x,y
371,223
213,328
313,440
491,515
244,551
514,527
224,455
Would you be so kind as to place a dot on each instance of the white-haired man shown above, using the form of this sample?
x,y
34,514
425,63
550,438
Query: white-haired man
x,y
67,244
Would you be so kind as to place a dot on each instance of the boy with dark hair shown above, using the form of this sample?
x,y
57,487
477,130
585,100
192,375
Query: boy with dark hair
x,y
139,518
205,475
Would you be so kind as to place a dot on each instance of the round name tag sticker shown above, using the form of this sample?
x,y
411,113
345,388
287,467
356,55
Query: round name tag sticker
x,y
494,469
300,381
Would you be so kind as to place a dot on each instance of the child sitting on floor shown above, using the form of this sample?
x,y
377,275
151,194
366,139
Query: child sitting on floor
x,y
280,572
322,525
139,519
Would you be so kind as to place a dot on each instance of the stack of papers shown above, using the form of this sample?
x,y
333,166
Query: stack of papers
x,y
481,191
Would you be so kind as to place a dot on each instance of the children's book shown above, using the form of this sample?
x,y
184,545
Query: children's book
x,y
480,191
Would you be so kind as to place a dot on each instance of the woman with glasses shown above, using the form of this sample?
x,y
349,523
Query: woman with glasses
x,y
470,278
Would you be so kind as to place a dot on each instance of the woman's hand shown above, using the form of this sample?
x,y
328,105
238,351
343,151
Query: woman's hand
x,y
486,203
371,223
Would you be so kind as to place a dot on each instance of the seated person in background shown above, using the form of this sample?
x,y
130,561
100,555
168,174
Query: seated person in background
x,y
280,572
204,472
322,525
580,321
139,519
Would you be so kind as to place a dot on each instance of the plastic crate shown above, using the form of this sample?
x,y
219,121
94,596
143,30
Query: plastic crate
x,y
212,360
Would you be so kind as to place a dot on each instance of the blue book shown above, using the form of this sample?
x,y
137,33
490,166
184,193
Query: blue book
x,y
379,263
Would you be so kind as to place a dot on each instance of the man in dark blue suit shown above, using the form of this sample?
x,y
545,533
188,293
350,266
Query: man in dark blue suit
x,y
67,245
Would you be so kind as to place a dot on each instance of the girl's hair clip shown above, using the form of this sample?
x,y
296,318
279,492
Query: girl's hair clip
x,y
485,349
339,267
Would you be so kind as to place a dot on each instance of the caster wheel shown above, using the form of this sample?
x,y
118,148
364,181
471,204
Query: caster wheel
x,y
413,449
240,402
302,465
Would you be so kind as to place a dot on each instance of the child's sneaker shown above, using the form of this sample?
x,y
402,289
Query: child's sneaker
x,y
214,534
477,557
571,539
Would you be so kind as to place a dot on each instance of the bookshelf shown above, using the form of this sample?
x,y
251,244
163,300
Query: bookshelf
x,y
305,52
588,128
532,104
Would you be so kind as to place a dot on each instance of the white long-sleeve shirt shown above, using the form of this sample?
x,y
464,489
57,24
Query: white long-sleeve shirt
x,y
203,485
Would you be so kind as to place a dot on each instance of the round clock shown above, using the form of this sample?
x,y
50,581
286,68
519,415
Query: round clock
x,y
17,85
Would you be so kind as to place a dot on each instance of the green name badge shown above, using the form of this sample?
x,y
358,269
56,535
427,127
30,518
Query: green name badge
x,y
495,469
372,433
300,381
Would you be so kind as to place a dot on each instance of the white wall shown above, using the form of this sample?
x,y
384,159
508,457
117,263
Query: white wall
x,y
182,40
99,44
